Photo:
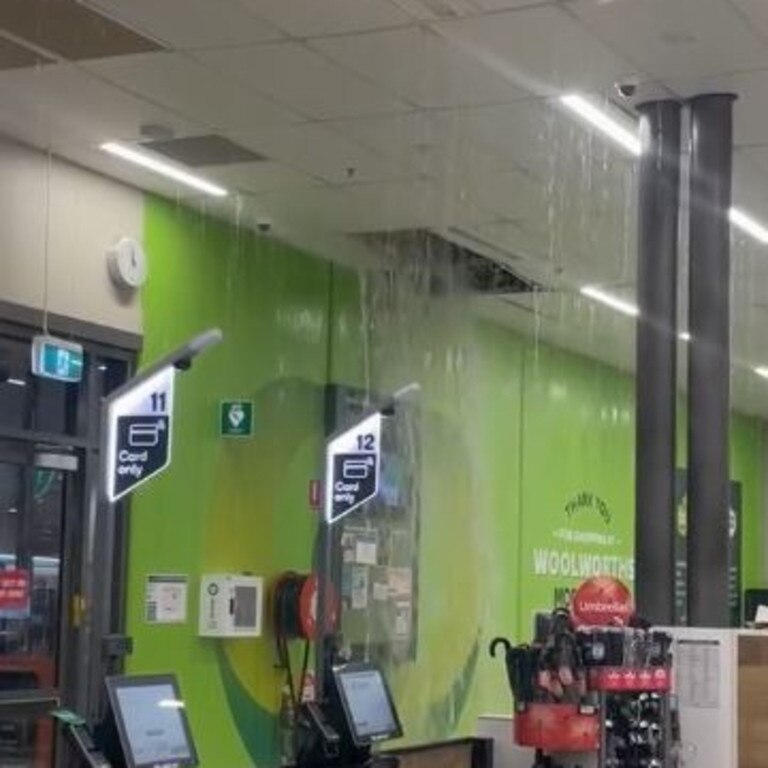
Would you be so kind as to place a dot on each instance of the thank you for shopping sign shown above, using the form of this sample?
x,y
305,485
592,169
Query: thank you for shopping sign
x,y
353,461
139,432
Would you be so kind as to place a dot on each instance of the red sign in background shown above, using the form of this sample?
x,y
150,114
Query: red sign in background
x,y
602,601
14,590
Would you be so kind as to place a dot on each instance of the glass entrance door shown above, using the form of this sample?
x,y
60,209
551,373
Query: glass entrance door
x,y
37,488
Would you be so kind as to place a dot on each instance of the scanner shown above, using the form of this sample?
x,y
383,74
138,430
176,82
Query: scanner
x,y
82,740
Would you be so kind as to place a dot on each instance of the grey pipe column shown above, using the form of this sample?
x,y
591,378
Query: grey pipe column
x,y
656,378
709,359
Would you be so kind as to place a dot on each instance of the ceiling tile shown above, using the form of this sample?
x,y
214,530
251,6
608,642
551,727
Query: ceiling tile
x,y
432,144
397,134
676,38
63,98
431,10
70,29
319,152
756,12
541,49
390,206
750,109
302,19
260,178
189,23
14,56
750,168
186,86
305,81
504,5
422,67
319,207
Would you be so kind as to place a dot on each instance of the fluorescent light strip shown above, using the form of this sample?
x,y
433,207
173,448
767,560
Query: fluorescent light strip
x,y
747,224
761,370
610,301
16,382
154,164
604,123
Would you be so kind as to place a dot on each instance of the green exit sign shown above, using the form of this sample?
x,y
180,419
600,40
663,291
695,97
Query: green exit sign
x,y
58,359
236,418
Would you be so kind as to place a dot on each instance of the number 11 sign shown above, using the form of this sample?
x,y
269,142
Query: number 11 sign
x,y
353,461
139,431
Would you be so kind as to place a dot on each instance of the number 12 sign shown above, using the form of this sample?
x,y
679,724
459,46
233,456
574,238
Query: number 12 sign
x,y
353,462
139,433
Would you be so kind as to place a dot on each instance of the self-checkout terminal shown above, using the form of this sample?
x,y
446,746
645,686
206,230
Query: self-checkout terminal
x,y
145,726
358,714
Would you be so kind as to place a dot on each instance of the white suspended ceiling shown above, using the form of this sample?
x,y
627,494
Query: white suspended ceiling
x,y
385,114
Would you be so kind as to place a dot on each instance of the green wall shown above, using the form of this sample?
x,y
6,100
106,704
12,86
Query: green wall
x,y
522,443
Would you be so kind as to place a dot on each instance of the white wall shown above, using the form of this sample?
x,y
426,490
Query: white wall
x,y
88,213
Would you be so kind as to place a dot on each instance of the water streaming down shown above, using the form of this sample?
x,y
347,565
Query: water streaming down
x,y
568,222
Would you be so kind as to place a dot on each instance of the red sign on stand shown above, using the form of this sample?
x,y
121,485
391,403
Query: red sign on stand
x,y
623,679
602,602
14,591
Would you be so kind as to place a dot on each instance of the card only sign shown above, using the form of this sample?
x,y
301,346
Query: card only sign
x,y
353,461
139,432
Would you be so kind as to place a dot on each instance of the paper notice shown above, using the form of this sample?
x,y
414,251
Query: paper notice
x,y
166,599
359,588
380,591
400,582
402,619
366,552
697,673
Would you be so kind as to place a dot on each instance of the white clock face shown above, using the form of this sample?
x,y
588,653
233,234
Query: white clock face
x,y
127,263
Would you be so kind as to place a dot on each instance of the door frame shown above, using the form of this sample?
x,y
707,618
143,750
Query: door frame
x,y
98,607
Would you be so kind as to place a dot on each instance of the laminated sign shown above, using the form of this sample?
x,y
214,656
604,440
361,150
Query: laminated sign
x,y
139,429
353,461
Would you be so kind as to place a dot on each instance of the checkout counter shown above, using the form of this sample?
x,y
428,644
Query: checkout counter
x,y
146,725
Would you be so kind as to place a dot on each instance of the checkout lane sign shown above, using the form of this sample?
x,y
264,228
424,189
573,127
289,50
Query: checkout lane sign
x,y
139,432
353,461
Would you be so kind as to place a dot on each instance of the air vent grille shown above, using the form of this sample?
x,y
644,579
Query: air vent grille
x,y
200,151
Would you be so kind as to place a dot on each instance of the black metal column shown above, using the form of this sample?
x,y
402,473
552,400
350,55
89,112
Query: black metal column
x,y
656,378
709,359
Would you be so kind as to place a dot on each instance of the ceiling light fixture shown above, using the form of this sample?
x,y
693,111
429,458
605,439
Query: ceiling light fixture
x,y
610,301
605,123
747,224
154,164
761,370
685,336
16,382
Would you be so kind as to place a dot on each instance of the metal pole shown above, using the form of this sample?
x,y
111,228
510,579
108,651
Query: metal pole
x,y
656,378
709,359
100,528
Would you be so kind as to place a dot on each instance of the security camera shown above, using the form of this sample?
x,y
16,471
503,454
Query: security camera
x,y
264,226
626,89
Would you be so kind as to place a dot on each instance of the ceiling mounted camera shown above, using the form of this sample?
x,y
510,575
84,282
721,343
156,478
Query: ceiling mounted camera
x,y
626,89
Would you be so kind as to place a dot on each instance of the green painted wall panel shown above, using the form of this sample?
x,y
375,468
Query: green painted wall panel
x,y
522,445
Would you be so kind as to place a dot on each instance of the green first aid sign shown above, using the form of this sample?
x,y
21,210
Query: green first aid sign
x,y
236,418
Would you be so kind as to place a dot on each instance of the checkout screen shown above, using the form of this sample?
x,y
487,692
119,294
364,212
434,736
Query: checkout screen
x,y
368,703
152,716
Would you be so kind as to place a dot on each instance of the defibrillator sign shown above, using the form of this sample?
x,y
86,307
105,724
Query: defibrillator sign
x,y
353,461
